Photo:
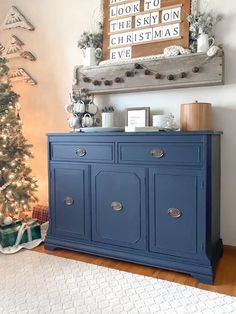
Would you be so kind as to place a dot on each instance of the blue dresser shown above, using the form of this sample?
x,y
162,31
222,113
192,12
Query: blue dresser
x,y
148,198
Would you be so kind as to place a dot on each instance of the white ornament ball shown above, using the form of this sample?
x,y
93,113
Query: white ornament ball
x,y
7,221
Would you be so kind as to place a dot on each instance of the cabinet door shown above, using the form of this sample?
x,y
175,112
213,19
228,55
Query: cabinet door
x,y
118,208
69,197
175,197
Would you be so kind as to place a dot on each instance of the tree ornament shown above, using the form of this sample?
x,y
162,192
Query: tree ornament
x,y
1,218
7,220
4,186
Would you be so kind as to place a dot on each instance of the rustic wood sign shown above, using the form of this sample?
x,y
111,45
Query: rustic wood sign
x,y
145,27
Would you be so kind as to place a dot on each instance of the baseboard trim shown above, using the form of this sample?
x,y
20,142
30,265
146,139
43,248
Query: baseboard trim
x,y
230,247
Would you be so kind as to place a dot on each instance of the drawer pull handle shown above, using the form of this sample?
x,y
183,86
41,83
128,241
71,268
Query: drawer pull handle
x,y
68,201
117,206
174,213
81,152
157,153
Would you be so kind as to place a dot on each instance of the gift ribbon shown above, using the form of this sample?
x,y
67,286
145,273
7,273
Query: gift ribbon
x,y
21,231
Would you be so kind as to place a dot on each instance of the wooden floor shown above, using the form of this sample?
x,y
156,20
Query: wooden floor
x,y
225,281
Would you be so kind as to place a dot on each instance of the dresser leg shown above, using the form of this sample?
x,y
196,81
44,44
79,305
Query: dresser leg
x,y
206,279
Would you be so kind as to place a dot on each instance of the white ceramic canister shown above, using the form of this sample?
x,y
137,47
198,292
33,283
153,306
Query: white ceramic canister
x,y
107,119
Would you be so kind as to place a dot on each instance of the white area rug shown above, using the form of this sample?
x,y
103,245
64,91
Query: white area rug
x,y
31,282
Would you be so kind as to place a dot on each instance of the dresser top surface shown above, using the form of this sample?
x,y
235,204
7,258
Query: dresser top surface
x,y
160,133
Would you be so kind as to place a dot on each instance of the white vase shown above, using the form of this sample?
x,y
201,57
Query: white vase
x,y
107,119
204,42
89,58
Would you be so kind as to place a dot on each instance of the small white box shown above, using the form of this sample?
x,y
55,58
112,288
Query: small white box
x,y
141,129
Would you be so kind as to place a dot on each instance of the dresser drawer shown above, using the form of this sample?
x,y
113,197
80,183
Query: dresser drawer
x,y
83,152
157,153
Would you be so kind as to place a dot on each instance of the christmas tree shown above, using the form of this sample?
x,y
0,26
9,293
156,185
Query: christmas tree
x,y
17,185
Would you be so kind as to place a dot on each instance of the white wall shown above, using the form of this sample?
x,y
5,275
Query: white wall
x,y
58,26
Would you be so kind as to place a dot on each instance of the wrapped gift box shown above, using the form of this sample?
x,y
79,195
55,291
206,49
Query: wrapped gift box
x,y
40,213
8,234
15,223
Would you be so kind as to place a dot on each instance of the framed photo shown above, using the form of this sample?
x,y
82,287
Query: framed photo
x,y
139,116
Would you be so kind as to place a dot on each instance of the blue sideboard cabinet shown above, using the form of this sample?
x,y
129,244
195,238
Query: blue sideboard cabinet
x,y
148,198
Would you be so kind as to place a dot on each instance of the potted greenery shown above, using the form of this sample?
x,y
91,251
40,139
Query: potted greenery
x,y
91,45
108,117
201,29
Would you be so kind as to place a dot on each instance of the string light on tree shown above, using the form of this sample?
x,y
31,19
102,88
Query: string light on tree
x,y
17,185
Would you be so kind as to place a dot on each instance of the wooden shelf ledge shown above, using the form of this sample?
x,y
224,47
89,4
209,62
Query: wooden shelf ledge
x,y
175,72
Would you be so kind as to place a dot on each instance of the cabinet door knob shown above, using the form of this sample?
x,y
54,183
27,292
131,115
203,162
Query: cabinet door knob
x,y
174,212
68,201
81,152
117,206
157,153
